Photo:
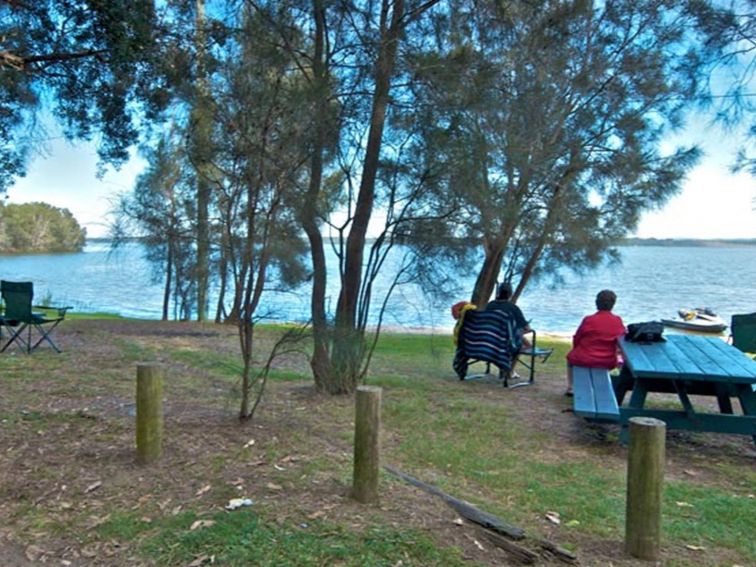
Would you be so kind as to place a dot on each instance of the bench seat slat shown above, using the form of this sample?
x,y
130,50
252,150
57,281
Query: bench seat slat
x,y
606,401
583,399
593,394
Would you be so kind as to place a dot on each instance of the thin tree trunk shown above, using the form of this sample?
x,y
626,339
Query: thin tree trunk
x,y
255,275
236,305
244,295
553,208
223,269
320,361
246,330
546,233
168,280
348,340
201,142
489,272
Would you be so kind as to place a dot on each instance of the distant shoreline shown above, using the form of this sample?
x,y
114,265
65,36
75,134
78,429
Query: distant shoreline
x,y
686,242
666,242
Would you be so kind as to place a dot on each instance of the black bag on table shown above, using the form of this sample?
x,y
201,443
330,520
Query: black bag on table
x,y
646,332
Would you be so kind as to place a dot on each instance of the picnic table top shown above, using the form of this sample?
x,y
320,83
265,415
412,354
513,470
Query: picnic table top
x,y
689,357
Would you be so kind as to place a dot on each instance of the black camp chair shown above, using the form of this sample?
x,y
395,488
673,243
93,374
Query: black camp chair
x,y
21,321
743,332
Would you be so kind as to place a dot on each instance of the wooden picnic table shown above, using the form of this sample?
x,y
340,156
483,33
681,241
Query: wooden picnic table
x,y
689,365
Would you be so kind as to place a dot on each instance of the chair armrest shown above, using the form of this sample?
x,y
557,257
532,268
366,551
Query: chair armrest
x,y
532,339
61,310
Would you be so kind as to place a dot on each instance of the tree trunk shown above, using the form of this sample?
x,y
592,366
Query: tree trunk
x,y
203,248
545,236
489,271
201,135
236,306
320,361
549,224
168,279
348,340
223,271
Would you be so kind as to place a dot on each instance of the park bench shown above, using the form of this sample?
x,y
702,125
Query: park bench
x,y
593,394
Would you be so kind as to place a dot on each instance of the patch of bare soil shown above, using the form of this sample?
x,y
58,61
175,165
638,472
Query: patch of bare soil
x,y
67,451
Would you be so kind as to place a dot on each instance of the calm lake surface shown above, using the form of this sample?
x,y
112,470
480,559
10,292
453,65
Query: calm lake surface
x,y
651,283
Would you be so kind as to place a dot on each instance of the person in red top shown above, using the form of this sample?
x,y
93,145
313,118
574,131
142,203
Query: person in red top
x,y
595,342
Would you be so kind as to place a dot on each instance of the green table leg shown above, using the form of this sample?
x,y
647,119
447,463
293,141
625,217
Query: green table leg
x,y
682,393
637,401
747,397
622,384
725,404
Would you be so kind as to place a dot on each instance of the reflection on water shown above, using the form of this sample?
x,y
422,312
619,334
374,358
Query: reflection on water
x,y
651,283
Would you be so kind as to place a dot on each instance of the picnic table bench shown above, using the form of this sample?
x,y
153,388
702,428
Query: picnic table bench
x,y
593,394
682,365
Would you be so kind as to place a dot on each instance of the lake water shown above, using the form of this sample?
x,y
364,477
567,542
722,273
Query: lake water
x,y
650,282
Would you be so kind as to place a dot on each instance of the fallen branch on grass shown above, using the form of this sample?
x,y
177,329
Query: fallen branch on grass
x,y
495,527
518,552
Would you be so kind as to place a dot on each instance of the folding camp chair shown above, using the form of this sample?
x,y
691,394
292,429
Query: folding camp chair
x,y
486,336
743,332
22,321
528,355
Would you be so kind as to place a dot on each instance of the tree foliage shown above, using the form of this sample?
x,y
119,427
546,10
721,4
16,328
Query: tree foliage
x,y
39,227
83,60
547,120
258,158
734,28
160,211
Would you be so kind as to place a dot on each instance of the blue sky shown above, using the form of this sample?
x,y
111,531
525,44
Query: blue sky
x,y
714,202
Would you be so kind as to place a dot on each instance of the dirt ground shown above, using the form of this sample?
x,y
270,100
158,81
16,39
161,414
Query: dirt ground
x,y
67,458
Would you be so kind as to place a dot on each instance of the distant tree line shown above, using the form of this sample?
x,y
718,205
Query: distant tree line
x,y
701,243
508,139
39,227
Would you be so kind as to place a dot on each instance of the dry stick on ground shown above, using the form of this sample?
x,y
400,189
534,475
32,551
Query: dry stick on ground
x,y
518,552
490,522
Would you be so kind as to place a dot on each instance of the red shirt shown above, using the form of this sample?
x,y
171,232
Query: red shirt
x,y
595,341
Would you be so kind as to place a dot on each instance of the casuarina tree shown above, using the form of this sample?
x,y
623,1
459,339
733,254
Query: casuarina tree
x,y
549,118
86,62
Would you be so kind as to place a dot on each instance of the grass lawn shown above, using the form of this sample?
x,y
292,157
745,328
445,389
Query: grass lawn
x,y
71,493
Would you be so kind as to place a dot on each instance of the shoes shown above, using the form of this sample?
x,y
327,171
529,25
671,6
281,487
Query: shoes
x,y
568,394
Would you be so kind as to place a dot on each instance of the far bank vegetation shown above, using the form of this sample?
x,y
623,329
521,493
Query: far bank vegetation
x,y
39,227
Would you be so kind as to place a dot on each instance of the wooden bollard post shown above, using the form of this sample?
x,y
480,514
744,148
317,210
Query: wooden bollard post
x,y
149,413
645,481
367,426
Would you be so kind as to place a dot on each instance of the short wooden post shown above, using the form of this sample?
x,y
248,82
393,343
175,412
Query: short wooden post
x,y
645,481
149,413
367,426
